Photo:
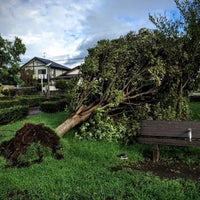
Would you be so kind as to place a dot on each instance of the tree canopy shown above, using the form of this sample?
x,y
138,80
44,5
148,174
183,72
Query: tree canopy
x,y
9,60
124,77
116,72
142,75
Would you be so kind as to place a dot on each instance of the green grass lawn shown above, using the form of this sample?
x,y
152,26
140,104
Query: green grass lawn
x,y
85,172
195,107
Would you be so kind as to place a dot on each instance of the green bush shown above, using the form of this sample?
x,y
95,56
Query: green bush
x,y
31,101
57,97
9,103
20,91
9,92
53,106
62,85
5,98
13,114
36,100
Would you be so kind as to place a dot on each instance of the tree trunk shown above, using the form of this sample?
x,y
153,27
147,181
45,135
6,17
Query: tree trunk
x,y
180,99
81,115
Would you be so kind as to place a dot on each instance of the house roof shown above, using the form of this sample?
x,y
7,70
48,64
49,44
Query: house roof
x,y
69,74
46,62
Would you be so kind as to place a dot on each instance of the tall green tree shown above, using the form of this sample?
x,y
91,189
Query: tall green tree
x,y
9,60
182,50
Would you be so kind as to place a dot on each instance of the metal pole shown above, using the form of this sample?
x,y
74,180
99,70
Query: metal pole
x,y
42,82
48,79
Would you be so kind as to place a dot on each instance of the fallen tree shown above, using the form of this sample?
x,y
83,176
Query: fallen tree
x,y
117,75
81,115
153,69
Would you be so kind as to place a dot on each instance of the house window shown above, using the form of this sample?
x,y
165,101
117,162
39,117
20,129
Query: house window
x,y
42,74
41,71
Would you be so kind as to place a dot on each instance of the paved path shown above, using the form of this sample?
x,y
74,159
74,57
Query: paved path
x,y
34,111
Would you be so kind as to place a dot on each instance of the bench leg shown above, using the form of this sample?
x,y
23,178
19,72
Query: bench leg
x,y
156,153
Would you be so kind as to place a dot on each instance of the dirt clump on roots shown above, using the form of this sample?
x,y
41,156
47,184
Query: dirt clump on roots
x,y
30,134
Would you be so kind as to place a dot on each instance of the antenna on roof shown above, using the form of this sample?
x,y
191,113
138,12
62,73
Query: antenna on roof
x,y
44,54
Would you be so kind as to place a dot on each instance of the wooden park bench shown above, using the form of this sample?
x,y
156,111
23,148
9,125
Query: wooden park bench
x,y
176,133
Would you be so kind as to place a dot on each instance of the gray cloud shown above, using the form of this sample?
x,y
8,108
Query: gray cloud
x,y
65,29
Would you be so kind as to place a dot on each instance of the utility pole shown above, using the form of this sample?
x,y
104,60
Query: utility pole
x,y
48,79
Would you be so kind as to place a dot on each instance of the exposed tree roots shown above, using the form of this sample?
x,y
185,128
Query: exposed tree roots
x,y
30,134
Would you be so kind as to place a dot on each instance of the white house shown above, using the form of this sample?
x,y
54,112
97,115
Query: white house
x,y
42,68
45,70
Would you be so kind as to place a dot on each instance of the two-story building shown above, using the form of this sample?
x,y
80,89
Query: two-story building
x,y
45,71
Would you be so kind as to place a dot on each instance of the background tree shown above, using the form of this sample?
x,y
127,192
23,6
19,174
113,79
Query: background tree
x,y
181,50
27,77
66,85
9,60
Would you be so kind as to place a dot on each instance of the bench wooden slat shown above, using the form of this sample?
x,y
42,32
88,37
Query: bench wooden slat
x,y
169,128
174,133
168,141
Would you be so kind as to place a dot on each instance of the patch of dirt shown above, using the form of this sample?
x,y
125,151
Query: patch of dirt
x,y
170,170
24,137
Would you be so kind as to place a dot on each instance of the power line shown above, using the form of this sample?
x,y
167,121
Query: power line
x,y
67,59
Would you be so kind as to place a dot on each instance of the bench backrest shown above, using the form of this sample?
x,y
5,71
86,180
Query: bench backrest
x,y
170,128
169,132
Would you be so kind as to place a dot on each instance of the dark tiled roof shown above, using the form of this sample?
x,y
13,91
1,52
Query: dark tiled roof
x,y
67,74
46,61
71,70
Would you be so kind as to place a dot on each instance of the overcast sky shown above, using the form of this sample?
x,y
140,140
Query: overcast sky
x,y
63,30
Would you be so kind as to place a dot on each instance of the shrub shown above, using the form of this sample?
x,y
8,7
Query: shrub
x,y
9,92
53,106
31,101
13,114
20,91
5,98
62,85
56,97
9,103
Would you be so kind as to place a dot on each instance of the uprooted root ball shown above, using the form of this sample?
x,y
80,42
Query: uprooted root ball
x,y
28,135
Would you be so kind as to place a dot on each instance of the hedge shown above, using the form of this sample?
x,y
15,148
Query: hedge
x,y
53,106
9,103
13,114
5,98
32,101
20,91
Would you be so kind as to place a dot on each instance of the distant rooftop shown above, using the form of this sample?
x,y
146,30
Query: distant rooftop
x,y
47,61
